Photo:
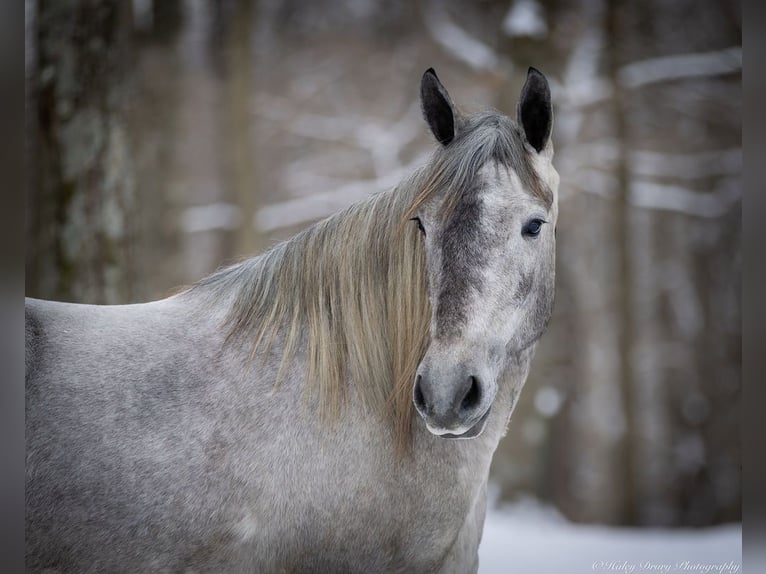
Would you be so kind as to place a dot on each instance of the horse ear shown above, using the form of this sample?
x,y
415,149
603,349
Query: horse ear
x,y
437,106
534,111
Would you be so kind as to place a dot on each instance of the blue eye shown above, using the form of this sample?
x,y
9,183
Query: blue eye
x,y
532,228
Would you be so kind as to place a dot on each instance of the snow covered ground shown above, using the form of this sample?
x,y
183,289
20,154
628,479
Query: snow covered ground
x,y
532,538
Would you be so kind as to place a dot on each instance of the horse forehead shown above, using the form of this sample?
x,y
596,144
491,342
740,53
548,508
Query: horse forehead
x,y
471,226
500,185
502,188
547,174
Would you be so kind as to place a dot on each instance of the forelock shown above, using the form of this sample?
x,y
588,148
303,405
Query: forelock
x,y
484,137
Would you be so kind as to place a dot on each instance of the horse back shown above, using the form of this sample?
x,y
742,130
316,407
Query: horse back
x,y
32,337
114,416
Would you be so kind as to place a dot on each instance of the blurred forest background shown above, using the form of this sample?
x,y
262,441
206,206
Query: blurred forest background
x,y
166,138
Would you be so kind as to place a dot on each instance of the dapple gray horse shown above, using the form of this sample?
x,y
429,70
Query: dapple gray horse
x,y
307,410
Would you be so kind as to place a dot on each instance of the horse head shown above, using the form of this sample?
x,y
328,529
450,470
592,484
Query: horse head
x,y
487,220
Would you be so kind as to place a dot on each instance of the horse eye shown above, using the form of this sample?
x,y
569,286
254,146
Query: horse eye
x,y
420,224
532,227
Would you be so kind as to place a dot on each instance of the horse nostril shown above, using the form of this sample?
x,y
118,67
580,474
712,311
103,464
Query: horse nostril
x,y
472,396
420,401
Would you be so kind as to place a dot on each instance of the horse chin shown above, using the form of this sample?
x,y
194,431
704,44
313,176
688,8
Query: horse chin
x,y
472,432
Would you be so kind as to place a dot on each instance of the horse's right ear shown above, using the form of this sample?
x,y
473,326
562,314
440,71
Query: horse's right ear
x,y
437,106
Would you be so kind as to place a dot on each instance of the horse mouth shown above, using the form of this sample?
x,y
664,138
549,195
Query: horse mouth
x,y
472,432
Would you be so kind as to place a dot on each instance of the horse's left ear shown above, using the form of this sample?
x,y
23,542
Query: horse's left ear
x,y
534,112
438,109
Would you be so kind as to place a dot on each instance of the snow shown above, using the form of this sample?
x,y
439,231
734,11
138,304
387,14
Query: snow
x,y
457,42
528,536
548,401
301,210
581,85
681,66
315,195
525,18
664,197
647,163
210,217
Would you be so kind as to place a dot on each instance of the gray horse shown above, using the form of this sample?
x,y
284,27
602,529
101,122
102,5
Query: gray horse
x,y
264,420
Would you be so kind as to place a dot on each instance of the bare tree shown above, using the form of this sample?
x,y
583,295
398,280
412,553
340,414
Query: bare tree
x,y
81,197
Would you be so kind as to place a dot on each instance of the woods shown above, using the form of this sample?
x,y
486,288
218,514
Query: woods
x,y
168,138
81,191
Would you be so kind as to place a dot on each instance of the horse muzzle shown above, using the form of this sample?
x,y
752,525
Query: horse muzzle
x,y
453,404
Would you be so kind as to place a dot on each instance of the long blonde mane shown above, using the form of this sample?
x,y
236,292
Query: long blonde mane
x,y
352,288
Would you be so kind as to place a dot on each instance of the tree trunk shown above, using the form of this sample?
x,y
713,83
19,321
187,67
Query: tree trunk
x,y
80,199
